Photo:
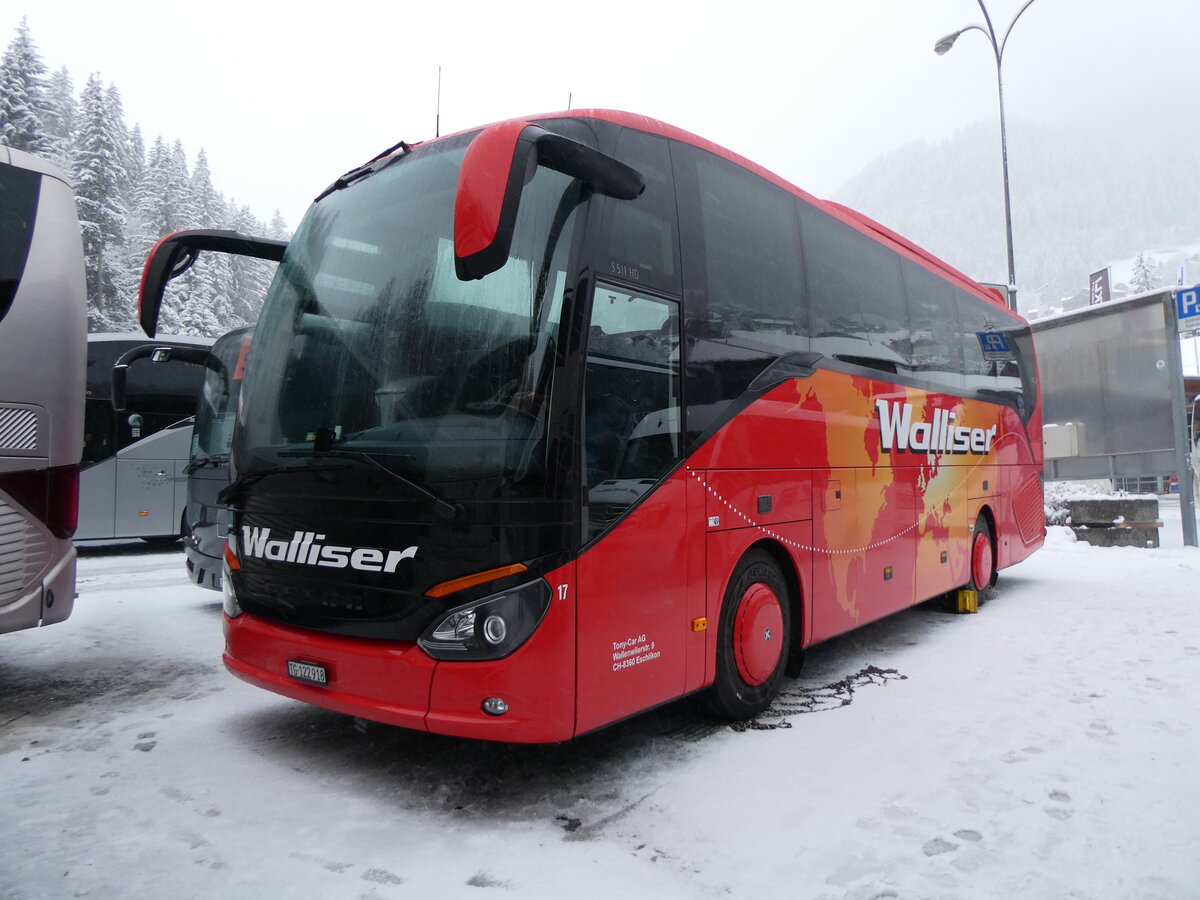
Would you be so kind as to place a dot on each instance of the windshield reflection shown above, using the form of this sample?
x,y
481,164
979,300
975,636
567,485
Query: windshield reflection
x,y
369,343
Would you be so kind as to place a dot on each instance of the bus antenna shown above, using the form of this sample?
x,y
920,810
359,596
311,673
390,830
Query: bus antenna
x,y
437,122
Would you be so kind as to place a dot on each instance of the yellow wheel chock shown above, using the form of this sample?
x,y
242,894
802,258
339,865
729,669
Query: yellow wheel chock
x,y
968,601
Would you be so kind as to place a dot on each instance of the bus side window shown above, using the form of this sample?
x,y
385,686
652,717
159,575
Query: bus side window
x,y
99,427
639,236
859,313
631,397
997,374
937,345
19,190
744,284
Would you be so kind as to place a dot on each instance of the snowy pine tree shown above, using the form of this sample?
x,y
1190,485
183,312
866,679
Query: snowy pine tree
x,y
154,215
208,308
127,200
60,117
23,96
135,163
251,277
98,176
1143,279
178,314
278,230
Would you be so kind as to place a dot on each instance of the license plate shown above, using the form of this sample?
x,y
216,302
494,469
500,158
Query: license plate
x,y
306,671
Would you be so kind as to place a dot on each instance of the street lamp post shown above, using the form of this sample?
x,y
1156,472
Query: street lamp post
x,y
941,47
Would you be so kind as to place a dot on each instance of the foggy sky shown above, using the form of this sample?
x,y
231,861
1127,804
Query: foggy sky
x,y
284,98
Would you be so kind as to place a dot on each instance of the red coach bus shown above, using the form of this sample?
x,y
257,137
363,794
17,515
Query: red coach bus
x,y
554,421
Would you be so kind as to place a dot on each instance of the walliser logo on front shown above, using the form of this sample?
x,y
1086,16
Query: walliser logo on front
x,y
898,431
305,549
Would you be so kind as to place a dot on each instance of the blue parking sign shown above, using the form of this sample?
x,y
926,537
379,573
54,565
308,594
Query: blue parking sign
x,y
995,345
1187,306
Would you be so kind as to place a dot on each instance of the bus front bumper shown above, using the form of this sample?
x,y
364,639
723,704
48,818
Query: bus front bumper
x,y
383,681
397,683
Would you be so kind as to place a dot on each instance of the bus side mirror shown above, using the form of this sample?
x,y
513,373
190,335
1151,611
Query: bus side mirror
x,y
496,167
174,254
196,356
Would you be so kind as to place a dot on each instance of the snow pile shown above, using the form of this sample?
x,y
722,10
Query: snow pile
x,y
1059,493
1044,748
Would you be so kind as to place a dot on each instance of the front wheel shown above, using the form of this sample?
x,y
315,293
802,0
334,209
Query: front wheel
x,y
753,639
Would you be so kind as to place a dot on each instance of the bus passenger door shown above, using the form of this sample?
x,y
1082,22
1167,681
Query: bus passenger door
x,y
145,497
634,634
148,479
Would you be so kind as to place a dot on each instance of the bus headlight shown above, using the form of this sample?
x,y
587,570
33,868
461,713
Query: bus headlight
x,y
229,600
490,628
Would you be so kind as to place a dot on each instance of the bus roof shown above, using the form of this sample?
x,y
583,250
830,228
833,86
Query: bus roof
x,y
864,224
23,160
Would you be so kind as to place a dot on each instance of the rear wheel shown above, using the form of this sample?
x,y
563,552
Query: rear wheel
x,y
983,558
753,639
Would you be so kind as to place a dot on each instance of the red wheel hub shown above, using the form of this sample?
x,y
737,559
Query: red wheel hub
x,y
757,634
981,561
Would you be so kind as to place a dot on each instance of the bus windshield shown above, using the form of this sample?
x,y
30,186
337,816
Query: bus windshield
x,y
212,435
370,347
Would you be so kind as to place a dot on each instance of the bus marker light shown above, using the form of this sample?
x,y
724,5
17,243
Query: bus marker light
x,y
494,706
460,584
700,624
143,512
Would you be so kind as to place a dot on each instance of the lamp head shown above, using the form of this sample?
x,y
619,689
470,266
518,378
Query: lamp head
x,y
944,44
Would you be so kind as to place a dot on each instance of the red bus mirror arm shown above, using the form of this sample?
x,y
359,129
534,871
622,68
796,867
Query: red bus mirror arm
x,y
175,253
498,164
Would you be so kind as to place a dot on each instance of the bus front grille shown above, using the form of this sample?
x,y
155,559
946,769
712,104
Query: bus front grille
x,y
363,611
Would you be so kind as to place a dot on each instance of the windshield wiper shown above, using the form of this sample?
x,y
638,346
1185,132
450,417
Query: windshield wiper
x,y
213,461
236,486
443,508
367,168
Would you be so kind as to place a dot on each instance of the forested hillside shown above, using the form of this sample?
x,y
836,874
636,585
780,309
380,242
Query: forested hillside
x,y
1083,197
129,195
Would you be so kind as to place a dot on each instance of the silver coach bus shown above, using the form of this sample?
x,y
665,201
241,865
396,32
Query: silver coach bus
x,y
43,327
134,483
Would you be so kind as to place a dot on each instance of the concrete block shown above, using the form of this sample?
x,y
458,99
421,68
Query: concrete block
x,y
1106,512
1117,537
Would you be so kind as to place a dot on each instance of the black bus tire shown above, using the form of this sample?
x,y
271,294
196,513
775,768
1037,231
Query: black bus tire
x,y
982,559
753,640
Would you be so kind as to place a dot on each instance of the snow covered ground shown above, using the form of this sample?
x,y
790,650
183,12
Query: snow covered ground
x,y
1045,748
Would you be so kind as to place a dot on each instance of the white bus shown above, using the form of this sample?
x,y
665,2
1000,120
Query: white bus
x,y
43,327
134,483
